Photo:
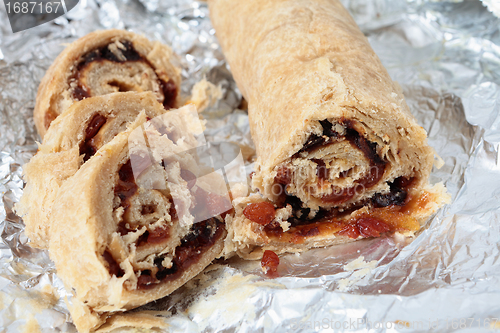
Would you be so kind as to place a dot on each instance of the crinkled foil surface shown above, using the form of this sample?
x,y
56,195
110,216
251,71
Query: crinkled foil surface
x,y
445,55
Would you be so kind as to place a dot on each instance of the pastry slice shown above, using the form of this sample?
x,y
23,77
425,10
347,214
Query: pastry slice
x,y
137,220
72,140
104,62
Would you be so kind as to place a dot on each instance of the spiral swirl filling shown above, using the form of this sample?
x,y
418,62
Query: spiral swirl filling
x,y
148,226
118,67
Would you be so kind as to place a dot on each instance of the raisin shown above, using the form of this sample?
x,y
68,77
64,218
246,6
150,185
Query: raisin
x,y
126,186
262,212
371,227
169,90
122,228
87,147
328,129
80,92
395,197
366,227
350,231
269,263
402,182
375,174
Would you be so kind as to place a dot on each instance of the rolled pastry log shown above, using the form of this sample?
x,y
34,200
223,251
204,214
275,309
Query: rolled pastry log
x,y
71,141
332,130
126,228
104,62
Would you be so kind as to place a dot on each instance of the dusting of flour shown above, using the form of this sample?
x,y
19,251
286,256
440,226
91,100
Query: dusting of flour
x,y
360,269
233,296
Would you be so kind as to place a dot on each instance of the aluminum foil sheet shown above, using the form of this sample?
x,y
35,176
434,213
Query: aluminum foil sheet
x,y
445,55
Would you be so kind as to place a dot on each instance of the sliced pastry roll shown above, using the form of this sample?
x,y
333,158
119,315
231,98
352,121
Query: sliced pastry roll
x,y
71,141
137,220
333,133
104,62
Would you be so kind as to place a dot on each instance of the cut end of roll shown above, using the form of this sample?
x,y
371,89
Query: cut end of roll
x,y
344,164
105,62
345,182
291,228
140,217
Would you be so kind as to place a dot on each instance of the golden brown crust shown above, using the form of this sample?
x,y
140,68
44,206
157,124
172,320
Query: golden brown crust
x,y
55,93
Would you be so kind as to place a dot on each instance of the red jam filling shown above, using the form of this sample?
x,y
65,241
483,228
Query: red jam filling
x,y
202,237
365,227
88,147
130,54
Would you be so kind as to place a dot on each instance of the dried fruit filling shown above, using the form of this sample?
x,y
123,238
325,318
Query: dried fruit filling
x,y
389,212
369,150
269,263
88,147
125,188
262,213
366,227
202,237
129,54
